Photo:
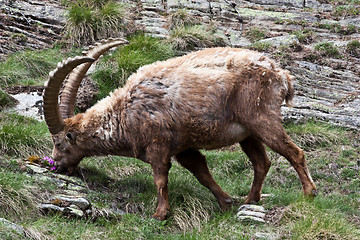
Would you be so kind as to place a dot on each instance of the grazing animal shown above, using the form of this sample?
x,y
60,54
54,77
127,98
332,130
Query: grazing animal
x,y
204,100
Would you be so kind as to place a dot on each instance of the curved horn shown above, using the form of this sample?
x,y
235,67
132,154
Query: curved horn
x,y
52,88
68,96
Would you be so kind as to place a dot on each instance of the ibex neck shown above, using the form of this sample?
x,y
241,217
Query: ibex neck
x,y
102,122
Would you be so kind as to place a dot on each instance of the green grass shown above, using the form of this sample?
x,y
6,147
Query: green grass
x,y
328,49
5,100
187,38
29,67
195,214
255,34
181,18
305,36
89,21
353,48
22,136
113,71
261,46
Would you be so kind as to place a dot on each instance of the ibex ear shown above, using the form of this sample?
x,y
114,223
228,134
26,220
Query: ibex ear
x,y
70,136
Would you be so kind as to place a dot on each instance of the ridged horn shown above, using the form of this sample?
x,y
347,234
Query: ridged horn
x,y
52,88
68,96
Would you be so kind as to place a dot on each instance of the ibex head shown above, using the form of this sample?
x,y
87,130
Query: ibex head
x,y
68,140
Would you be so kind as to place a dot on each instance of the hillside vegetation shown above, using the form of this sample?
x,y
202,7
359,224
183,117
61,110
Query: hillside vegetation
x,y
125,184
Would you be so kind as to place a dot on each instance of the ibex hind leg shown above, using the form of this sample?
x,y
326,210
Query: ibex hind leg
x,y
255,150
274,136
195,162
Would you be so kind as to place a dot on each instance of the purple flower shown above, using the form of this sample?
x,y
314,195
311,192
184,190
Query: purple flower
x,y
314,221
53,168
49,160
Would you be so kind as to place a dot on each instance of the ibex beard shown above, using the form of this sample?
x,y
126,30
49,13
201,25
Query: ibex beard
x,y
204,100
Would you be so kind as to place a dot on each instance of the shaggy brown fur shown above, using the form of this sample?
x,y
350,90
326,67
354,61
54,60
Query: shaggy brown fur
x,y
204,100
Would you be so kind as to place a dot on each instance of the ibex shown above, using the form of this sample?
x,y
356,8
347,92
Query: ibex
x,y
204,100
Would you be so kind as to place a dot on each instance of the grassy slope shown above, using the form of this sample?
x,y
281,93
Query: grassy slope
x,y
333,159
333,214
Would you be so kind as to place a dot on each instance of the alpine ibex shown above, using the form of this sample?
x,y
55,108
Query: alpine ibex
x,y
204,100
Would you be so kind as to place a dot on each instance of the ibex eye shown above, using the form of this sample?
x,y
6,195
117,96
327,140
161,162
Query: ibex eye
x,y
69,135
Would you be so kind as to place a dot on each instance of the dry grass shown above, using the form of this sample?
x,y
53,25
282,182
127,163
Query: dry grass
x,y
192,214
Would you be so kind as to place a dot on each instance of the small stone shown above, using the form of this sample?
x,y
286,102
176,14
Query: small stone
x,y
46,207
266,236
36,169
81,202
12,226
74,211
251,218
281,41
252,213
250,207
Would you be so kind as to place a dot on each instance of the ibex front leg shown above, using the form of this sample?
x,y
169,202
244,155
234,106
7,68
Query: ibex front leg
x,y
160,163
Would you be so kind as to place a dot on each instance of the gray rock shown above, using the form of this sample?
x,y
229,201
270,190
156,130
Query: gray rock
x,y
253,208
251,212
47,207
36,169
250,218
266,236
81,202
281,40
12,226
291,3
74,212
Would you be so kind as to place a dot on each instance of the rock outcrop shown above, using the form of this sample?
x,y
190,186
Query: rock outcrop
x,y
327,86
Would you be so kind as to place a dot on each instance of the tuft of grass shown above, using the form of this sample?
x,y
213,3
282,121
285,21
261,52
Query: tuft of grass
x,y
187,38
88,21
328,49
305,36
114,70
22,136
353,48
255,34
261,46
182,18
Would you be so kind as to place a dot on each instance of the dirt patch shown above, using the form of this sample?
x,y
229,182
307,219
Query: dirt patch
x,y
274,215
24,89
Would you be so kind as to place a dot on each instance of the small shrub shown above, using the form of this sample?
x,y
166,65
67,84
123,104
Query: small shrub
x,y
328,49
185,38
353,48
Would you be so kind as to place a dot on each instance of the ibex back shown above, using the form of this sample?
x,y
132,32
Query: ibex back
x,y
204,100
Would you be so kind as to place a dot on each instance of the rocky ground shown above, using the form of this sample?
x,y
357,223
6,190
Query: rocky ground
x,y
327,86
